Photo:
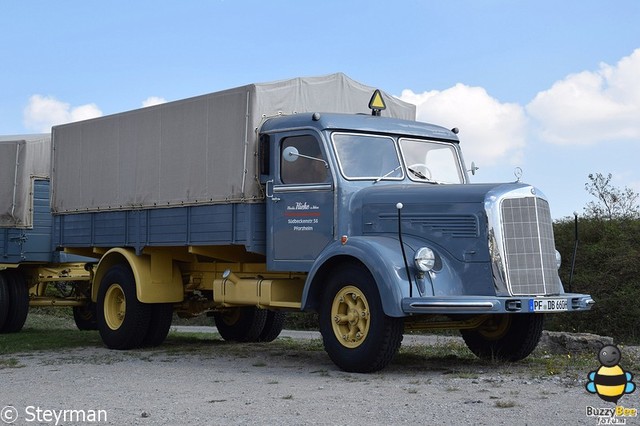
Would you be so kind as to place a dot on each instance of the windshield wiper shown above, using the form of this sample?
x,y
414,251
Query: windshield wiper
x,y
422,176
418,174
392,171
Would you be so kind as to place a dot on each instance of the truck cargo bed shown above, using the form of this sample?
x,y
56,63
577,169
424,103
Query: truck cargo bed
x,y
207,225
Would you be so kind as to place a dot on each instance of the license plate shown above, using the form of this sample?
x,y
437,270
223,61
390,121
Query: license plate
x,y
548,305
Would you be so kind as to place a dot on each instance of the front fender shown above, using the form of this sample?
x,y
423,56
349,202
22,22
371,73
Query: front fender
x,y
383,258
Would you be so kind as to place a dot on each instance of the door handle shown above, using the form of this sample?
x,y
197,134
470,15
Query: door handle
x,y
268,184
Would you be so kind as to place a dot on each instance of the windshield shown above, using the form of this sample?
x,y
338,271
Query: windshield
x,y
430,161
367,156
373,157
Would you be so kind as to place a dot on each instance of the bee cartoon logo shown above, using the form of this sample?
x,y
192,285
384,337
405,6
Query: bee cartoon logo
x,y
610,381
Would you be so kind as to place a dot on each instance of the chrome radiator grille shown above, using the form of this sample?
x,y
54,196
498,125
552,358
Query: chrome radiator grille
x,y
529,248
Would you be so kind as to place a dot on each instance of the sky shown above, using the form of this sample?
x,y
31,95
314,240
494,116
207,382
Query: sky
x,y
551,87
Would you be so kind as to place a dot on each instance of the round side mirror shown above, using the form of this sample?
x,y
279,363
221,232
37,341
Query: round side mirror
x,y
290,154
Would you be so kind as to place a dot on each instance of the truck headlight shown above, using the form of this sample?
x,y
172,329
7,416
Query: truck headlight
x,y
425,259
558,259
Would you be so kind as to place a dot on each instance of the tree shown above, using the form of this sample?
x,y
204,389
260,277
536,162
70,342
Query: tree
x,y
612,203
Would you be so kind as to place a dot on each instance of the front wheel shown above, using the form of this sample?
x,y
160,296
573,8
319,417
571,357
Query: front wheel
x,y
506,337
356,333
123,321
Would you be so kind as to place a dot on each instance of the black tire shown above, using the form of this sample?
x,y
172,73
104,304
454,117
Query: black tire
x,y
507,337
123,321
241,324
85,317
4,300
159,325
366,339
18,295
272,326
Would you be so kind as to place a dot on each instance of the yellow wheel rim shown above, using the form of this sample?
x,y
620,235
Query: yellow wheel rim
x,y
230,316
115,305
350,317
495,327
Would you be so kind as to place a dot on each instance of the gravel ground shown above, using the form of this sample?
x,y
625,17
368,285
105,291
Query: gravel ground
x,y
213,382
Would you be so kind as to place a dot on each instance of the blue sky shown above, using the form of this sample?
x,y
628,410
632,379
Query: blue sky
x,y
552,87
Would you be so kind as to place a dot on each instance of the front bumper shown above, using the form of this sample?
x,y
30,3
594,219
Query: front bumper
x,y
493,304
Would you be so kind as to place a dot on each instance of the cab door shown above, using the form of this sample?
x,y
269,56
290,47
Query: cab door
x,y
300,201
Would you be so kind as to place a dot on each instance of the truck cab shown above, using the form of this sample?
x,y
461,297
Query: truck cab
x,y
381,210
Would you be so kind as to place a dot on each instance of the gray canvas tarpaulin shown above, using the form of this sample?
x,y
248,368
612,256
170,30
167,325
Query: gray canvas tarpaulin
x,y
22,158
199,150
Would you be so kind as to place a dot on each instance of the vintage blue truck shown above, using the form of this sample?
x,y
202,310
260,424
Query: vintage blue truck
x,y
315,194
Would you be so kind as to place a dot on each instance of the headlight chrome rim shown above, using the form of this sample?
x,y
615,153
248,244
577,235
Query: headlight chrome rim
x,y
425,259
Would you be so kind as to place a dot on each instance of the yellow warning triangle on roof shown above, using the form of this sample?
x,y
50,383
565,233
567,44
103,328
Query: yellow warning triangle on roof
x,y
376,102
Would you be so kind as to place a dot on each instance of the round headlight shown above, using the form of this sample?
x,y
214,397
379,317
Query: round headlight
x,y
558,259
425,259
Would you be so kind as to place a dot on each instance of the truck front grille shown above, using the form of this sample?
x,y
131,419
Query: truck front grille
x,y
529,248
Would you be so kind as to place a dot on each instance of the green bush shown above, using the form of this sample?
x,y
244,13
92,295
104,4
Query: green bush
x,y
607,267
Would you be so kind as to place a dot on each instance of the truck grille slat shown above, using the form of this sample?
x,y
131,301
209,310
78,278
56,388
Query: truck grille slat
x,y
529,247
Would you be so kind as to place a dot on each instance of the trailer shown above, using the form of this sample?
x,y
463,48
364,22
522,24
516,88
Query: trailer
x,y
30,269
311,194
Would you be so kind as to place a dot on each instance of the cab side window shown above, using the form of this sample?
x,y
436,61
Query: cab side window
x,y
302,161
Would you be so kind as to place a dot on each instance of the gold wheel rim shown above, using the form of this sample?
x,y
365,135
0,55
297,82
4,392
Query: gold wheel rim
x,y
115,305
495,327
350,317
230,316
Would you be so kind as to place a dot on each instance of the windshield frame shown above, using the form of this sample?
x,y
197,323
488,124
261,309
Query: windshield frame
x,y
397,141
344,169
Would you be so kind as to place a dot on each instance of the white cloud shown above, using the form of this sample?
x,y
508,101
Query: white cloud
x,y
490,131
591,106
42,112
153,100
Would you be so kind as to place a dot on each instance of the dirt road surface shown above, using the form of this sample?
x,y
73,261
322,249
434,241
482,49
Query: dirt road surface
x,y
196,382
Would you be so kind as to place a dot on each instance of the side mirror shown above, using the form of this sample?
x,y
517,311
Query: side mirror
x,y
290,154
473,168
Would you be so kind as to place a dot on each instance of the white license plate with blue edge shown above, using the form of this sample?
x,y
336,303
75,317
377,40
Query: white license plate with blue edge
x,y
548,305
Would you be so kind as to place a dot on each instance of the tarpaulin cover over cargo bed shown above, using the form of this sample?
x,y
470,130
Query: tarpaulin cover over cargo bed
x,y
22,158
199,150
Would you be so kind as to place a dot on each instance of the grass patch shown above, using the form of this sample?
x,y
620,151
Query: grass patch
x,y
10,363
33,339
505,404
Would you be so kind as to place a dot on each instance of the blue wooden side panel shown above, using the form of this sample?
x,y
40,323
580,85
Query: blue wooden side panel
x,y
30,245
208,225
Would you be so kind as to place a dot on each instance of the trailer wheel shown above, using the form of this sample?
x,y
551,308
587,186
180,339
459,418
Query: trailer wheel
x,y
4,300
507,337
241,324
272,326
357,334
85,317
18,297
123,321
159,325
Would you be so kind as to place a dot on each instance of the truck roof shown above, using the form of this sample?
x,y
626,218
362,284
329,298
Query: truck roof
x,y
362,122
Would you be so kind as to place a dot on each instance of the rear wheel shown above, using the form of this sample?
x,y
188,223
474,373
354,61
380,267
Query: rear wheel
x,y
18,297
85,317
357,334
272,326
4,300
241,324
159,324
507,337
123,321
